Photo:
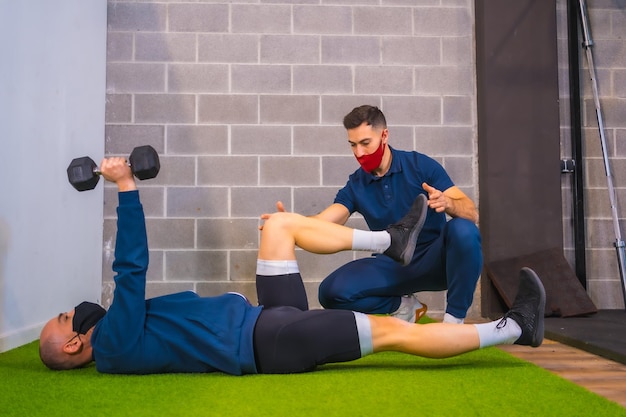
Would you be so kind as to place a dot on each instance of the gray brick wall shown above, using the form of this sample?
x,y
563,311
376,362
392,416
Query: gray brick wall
x,y
607,22
244,102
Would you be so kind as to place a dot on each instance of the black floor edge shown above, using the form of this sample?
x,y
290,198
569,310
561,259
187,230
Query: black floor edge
x,y
602,334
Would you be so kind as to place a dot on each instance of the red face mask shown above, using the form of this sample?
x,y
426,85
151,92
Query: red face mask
x,y
372,161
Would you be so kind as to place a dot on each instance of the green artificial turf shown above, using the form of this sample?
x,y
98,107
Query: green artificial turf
x,y
488,382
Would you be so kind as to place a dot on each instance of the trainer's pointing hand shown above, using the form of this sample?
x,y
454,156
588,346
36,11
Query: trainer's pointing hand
x,y
436,200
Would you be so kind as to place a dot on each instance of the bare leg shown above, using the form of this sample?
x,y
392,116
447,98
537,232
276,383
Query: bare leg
x,y
283,231
523,324
278,279
434,340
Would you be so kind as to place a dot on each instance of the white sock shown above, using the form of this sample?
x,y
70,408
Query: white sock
x,y
449,318
371,241
492,333
271,268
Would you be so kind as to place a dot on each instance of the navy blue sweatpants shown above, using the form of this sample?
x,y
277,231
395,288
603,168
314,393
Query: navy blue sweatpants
x,y
374,285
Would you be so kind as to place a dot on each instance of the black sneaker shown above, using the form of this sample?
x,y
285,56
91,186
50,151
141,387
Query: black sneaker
x,y
528,309
404,233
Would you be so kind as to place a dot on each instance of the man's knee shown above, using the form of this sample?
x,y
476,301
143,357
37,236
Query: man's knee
x,y
463,231
464,248
326,294
331,294
278,220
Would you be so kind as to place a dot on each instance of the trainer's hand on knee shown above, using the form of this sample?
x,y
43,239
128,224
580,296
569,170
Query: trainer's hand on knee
x,y
279,208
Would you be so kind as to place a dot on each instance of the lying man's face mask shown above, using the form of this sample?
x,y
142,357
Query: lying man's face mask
x,y
86,315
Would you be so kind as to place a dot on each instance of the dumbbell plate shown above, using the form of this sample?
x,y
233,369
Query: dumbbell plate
x,y
81,173
144,161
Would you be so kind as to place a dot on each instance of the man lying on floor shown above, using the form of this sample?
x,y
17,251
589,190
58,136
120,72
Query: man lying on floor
x,y
187,333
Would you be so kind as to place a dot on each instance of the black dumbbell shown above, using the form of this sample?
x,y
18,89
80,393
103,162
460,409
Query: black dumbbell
x,y
83,173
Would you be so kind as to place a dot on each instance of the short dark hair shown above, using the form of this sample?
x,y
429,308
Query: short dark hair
x,y
52,356
365,114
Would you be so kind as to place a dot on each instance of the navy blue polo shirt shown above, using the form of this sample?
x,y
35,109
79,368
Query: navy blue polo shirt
x,y
385,200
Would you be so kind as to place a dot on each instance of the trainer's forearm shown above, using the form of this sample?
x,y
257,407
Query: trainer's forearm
x,y
463,208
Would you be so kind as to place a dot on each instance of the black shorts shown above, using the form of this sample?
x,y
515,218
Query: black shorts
x,y
290,338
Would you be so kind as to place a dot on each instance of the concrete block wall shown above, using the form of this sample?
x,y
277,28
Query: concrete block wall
x,y
244,100
607,20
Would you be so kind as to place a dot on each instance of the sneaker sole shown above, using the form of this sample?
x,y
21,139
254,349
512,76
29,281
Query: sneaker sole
x,y
537,338
407,253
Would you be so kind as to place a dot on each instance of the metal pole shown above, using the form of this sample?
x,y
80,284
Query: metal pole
x,y
619,243
578,200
